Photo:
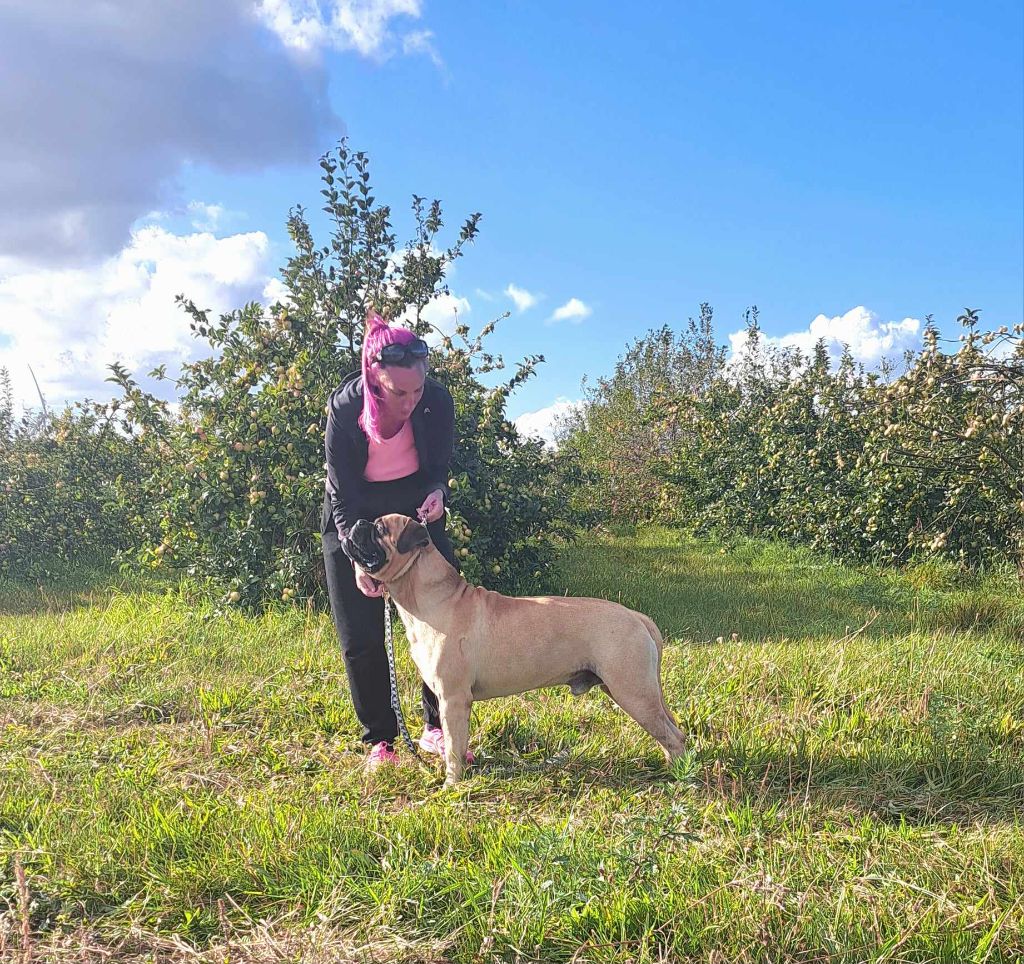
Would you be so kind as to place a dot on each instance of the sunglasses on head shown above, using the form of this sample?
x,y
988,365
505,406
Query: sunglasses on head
x,y
403,354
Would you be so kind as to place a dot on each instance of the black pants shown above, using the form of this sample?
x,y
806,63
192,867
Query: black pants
x,y
359,619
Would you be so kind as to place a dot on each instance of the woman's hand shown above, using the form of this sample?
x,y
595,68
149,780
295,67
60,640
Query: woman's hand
x,y
432,508
368,586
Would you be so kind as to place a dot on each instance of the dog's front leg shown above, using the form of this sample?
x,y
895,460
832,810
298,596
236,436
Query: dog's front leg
x,y
454,709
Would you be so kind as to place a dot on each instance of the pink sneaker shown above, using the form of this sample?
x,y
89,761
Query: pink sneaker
x,y
432,741
380,755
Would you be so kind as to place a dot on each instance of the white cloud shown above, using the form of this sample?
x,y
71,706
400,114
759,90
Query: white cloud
x,y
102,104
396,260
422,42
523,298
309,26
573,310
298,25
205,217
444,312
545,422
276,290
870,339
69,324
485,295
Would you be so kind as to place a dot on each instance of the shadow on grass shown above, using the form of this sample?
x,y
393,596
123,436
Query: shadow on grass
x,y
89,583
933,788
698,590
702,599
933,785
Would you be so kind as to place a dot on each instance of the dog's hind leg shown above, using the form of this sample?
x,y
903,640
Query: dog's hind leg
x,y
650,712
664,702
642,699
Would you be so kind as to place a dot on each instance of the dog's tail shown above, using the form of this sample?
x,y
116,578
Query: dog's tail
x,y
652,628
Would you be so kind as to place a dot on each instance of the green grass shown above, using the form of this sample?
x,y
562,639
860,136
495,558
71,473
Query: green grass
x,y
183,785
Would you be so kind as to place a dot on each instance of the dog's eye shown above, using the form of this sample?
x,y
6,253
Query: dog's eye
x,y
379,527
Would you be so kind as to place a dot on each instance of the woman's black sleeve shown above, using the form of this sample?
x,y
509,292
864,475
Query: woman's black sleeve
x,y
342,485
441,463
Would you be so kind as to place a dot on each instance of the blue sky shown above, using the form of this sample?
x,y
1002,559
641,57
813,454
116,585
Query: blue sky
x,y
806,158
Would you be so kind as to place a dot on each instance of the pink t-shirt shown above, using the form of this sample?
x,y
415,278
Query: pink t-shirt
x,y
393,458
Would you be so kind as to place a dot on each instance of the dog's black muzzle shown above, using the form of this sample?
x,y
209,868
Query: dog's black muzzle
x,y
362,545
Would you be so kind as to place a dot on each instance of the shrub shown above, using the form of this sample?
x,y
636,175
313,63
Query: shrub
x,y
239,482
69,487
863,465
616,441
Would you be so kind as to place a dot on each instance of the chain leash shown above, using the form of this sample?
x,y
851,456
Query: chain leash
x,y
396,703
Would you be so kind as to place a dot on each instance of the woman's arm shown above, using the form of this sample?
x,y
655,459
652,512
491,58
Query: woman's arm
x,y
342,484
444,441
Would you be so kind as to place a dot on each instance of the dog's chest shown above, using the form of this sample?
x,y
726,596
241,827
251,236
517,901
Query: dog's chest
x,y
424,642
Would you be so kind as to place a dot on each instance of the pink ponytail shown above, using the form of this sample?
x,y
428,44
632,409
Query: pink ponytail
x,y
378,334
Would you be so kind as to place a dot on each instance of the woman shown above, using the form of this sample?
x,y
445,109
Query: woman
x,y
390,434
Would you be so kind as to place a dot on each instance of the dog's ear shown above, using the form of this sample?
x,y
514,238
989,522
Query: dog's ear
x,y
413,536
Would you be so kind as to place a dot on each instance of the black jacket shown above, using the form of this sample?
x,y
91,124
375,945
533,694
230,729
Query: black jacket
x,y
347,448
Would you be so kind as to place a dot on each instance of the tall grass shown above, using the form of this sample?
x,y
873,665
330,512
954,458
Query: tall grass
x,y
180,783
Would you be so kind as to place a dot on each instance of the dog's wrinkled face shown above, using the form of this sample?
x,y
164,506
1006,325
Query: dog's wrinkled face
x,y
383,547
364,543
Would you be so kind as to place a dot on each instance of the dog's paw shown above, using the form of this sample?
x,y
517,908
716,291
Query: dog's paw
x,y
685,767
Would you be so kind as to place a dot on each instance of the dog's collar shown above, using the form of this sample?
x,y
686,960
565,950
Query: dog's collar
x,y
408,566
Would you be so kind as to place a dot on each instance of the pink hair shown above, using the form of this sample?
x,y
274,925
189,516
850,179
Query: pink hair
x,y
378,334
